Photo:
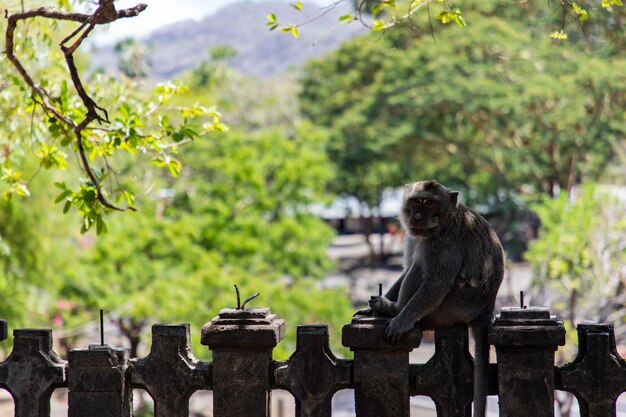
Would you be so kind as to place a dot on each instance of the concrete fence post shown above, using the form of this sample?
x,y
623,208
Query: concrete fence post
x,y
242,342
98,382
32,371
598,374
170,373
525,342
381,369
313,374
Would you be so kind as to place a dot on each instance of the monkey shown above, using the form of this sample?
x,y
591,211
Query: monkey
x,y
453,268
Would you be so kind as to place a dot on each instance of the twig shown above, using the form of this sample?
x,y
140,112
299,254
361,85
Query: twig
x,y
406,16
325,11
105,13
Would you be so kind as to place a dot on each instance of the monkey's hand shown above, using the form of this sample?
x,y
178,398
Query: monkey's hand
x,y
364,312
383,306
396,327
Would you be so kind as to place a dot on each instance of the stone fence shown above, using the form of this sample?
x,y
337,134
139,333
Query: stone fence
x,y
242,373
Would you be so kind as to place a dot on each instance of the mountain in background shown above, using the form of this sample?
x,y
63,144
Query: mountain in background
x,y
260,53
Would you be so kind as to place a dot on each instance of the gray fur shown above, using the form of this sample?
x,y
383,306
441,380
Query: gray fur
x,y
453,267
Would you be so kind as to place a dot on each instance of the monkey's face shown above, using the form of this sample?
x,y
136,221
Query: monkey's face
x,y
421,215
426,207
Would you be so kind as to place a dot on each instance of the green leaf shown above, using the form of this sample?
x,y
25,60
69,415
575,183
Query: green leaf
x,y
445,17
62,196
448,16
580,12
178,136
558,35
101,226
21,189
50,157
158,162
291,29
297,6
271,19
126,196
175,167
378,25
608,3
457,15
346,18
85,225
10,175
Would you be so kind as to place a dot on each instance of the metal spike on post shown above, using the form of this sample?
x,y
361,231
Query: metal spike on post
x,y
521,300
101,327
252,297
238,297
240,305
380,289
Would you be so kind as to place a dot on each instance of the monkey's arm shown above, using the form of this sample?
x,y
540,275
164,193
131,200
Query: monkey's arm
x,y
427,291
394,291
391,295
423,302
391,304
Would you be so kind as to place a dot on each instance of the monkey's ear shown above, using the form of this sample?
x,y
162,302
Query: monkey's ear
x,y
454,198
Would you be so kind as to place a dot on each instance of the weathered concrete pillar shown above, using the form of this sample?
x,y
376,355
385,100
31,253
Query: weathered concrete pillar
x,y
32,372
381,369
313,374
525,342
242,342
170,373
448,377
98,382
598,373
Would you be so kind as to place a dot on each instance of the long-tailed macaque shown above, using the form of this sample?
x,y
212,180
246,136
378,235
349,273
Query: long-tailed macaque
x,y
453,267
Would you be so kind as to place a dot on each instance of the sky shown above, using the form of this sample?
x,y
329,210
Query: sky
x,y
159,13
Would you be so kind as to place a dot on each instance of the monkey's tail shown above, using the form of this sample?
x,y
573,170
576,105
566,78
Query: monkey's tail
x,y
481,368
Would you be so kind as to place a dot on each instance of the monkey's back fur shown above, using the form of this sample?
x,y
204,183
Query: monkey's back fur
x,y
468,245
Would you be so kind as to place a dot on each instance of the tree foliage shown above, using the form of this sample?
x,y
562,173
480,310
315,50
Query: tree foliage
x,y
238,212
498,110
580,256
51,113
557,19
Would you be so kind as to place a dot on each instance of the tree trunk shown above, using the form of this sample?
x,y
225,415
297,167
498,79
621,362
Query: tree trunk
x,y
131,329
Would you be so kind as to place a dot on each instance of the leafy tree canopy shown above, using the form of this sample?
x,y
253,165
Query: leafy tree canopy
x,y
499,107
48,113
237,213
579,258
558,19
